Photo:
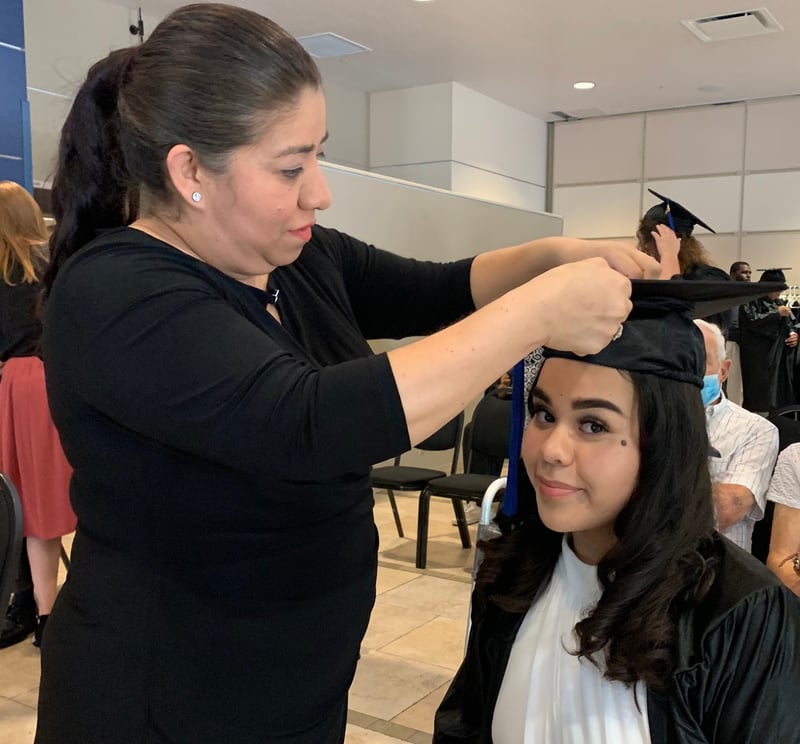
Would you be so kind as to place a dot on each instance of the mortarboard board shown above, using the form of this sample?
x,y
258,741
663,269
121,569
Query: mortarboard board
x,y
674,215
773,275
659,338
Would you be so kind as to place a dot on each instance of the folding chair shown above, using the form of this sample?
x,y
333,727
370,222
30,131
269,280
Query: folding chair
x,y
490,432
399,477
10,538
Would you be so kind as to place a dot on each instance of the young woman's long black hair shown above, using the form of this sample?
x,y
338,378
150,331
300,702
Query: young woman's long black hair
x,y
661,563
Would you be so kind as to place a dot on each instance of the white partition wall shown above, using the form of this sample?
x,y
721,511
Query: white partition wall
x,y
424,222
452,137
598,211
694,142
737,166
597,150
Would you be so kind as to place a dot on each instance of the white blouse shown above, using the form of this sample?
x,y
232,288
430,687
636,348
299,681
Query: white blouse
x,y
549,696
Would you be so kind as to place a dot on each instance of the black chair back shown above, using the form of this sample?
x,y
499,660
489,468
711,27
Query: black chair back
x,y
490,427
404,478
10,538
449,436
787,412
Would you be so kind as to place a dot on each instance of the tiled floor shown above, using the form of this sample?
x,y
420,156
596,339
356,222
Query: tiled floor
x,y
412,648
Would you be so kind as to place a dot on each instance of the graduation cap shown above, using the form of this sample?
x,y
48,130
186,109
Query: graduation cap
x,y
679,219
773,275
658,338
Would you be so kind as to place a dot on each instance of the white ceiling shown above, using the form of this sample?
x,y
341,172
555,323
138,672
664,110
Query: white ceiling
x,y
528,53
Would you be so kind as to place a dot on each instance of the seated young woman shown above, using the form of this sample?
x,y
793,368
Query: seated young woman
x,y
610,610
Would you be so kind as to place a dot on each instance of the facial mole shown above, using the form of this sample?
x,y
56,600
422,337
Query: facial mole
x,y
624,443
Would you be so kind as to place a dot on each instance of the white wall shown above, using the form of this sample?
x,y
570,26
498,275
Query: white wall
x,y
452,137
499,153
348,126
56,67
737,166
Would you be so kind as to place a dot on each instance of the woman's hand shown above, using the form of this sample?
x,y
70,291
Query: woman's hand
x,y
668,245
496,272
792,339
624,258
578,306
582,304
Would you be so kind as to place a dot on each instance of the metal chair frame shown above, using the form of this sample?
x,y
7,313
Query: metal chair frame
x,y
11,539
399,477
490,435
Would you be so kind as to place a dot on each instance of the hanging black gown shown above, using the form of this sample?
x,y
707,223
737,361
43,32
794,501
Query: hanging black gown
x,y
768,364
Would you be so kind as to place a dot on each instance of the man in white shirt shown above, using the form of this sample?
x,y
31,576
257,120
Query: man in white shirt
x,y
747,444
784,544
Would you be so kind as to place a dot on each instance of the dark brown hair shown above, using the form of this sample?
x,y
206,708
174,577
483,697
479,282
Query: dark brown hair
x,y
661,563
210,76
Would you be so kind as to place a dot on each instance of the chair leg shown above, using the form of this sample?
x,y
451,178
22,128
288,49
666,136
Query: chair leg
x,y
65,558
423,513
397,521
461,522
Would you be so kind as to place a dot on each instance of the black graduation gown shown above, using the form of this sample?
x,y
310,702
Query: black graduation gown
x,y
737,678
768,364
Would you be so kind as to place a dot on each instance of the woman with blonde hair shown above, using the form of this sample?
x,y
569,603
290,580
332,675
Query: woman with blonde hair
x,y
30,451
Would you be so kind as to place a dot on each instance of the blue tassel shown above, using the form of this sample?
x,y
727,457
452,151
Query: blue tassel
x,y
515,437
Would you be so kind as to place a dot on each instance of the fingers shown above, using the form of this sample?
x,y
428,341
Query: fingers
x,y
663,231
632,262
591,304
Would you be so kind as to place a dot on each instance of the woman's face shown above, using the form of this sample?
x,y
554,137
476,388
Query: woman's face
x,y
581,451
258,215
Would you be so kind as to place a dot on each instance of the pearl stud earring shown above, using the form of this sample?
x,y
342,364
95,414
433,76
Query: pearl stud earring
x,y
196,196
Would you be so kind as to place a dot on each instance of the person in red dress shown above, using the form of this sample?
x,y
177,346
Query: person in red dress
x,y
30,451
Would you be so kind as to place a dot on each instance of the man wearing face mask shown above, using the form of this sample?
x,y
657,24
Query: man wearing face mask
x,y
747,444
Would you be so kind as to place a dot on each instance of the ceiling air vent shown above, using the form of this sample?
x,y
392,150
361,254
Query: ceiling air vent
x,y
734,25
330,45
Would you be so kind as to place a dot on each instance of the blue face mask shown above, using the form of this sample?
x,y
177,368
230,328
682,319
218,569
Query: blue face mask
x,y
711,389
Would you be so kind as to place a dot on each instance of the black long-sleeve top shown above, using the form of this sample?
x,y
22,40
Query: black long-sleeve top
x,y
224,565
20,326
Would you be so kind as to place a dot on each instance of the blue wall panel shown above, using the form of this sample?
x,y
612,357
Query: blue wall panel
x,y
12,170
12,91
15,125
11,28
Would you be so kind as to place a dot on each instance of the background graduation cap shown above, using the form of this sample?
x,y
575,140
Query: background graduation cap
x,y
679,219
658,338
773,275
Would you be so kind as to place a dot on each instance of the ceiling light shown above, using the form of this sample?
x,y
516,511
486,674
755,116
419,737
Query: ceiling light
x,y
583,86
